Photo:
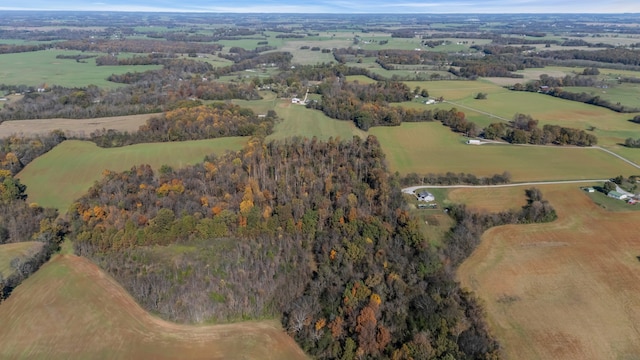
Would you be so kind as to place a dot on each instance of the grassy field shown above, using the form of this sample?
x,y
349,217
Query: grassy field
x,y
62,175
11,251
432,148
457,89
611,128
564,290
70,309
36,68
300,121
625,94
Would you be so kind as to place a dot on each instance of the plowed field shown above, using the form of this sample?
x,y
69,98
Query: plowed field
x,y
564,290
70,309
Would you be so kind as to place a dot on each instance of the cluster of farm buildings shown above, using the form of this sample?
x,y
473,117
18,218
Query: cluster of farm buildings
x,y
619,195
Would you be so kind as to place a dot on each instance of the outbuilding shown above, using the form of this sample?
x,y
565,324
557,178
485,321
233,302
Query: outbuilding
x,y
424,195
617,195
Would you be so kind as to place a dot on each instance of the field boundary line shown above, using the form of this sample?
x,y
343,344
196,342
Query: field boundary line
x,y
411,189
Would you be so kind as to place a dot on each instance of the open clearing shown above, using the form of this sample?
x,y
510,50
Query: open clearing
x,y
42,67
65,173
71,309
490,199
300,121
433,148
72,127
564,290
13,250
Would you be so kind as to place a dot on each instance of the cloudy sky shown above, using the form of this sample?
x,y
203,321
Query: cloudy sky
x,y
337,6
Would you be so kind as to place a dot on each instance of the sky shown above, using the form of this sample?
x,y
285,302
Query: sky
x,y
336,6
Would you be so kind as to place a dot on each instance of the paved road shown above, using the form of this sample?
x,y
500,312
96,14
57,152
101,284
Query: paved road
x,y
411,189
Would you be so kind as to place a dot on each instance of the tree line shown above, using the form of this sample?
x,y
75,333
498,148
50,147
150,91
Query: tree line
x,y
523,129
192,121
465,236
21,221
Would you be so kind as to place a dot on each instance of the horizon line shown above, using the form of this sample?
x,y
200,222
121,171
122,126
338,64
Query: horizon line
x,y
161,11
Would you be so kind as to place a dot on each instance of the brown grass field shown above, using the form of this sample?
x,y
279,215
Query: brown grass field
x,y
564,290
70,309
488,199
76,127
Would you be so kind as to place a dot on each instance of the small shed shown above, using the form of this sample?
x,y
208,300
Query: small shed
x,y
473,142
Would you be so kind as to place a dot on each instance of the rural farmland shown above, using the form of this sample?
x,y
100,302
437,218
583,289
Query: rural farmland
x,y
71,309
248,181
565,290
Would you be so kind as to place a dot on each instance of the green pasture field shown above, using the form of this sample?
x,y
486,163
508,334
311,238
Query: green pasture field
x,y
370,64
36,68
456,90
297,120
22,42
13,250
268,102
625,94
308,57
62,175
432,148
71,309
300,121
611,127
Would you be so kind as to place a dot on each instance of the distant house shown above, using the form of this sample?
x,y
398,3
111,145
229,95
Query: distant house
x,y
473,142
424,195
617,195
430,102
589,189
295,101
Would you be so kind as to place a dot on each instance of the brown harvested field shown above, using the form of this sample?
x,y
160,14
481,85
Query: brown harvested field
x,y
490,199
70,309
564,290
75,127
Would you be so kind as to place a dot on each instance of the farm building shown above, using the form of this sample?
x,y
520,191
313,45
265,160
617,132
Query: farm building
x,y
473,142
589,189
424,195
617,195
